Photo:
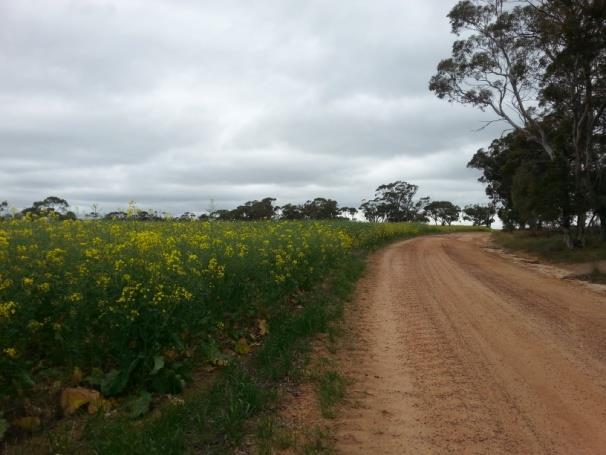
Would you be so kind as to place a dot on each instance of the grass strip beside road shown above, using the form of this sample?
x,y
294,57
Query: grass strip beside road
x,y
551,246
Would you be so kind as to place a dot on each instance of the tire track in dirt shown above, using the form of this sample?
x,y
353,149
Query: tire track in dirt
x,y
458,350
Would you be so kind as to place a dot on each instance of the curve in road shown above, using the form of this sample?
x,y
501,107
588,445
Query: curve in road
x,y
460,350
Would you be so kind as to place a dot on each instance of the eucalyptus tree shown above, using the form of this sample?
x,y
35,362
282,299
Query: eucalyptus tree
x,y
479,215
528,187
51,206
395,202
539,65
370,210
320,209
291,212
443,212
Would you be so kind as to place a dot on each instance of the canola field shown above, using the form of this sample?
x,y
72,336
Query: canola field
x,y
122,304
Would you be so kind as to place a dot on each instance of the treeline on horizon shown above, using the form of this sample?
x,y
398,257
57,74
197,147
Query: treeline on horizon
x,y
393,202
540,67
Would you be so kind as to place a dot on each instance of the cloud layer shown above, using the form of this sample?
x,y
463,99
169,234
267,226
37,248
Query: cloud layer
x,y
177,103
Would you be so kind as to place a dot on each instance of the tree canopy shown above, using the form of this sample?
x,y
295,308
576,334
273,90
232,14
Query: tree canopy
x,y
479,215
395,202
443,212
50,206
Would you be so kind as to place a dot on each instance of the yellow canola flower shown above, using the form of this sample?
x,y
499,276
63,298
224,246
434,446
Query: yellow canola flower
x,y
103,281
216,269
182,293
75,297
3,239
56,256
159,296
10,352
92,253
7,309
147,240
34,326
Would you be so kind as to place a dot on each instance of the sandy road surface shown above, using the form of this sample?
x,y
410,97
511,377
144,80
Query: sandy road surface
x,y
460,350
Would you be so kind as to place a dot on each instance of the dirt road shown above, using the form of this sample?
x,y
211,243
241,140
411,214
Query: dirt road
x,y
460,350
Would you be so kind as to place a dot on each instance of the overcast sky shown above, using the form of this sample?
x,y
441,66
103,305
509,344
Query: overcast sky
x,y
173,103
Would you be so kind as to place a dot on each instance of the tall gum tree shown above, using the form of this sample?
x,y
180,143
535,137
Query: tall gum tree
x,y
526,62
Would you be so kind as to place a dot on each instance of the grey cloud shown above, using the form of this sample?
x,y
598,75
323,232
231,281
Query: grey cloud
x,y
372,126
175,103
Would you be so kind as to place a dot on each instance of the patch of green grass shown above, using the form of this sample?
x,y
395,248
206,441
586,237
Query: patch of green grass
x,y
319,441
270,435
551,246
330,389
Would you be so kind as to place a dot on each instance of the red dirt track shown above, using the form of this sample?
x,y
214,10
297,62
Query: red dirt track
x,y
458,349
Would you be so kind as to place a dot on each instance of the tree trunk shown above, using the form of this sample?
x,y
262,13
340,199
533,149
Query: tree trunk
x,y
568,238
566,229
602,216
580,231
574,236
